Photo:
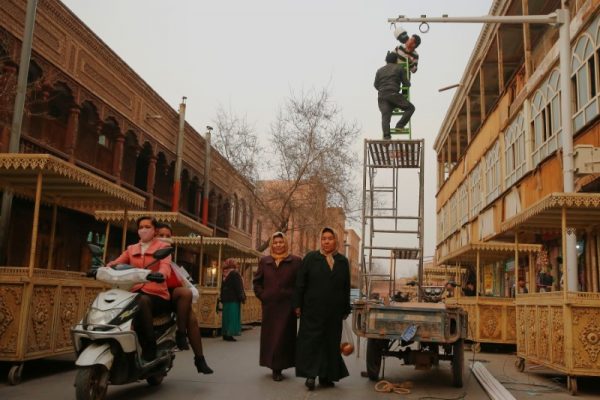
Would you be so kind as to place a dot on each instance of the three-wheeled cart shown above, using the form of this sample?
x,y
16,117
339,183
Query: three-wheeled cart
x,y
421,332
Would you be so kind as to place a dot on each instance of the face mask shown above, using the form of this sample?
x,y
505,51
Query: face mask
x,y
146,234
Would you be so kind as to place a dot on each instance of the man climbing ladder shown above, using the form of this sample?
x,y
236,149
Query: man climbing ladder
x,y
389,79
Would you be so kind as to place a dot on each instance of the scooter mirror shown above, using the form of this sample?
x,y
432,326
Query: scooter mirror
x,y
163,253
95,250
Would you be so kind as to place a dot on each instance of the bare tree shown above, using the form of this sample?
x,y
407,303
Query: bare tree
x,y
312,158
236,141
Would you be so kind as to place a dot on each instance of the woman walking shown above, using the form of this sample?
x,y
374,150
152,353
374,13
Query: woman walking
x,y
232,295
322,303
274,285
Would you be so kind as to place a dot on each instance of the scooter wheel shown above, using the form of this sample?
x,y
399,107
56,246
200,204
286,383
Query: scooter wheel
x,y
91,383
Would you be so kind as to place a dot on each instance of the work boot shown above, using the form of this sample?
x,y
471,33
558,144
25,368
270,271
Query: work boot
x,y
201,365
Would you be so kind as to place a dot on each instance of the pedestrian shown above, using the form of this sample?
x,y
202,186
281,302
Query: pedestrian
x,y
232,297
469,289
407,50
322,302
274,285
153,297
182,296
389,79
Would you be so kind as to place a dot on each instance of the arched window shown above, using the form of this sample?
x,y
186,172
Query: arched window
x,y
545,118
233,219
242,215
515,164
583,79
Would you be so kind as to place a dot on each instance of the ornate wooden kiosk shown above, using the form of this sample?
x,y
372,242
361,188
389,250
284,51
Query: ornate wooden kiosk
x,y
561,329
40,304
492,318
216,250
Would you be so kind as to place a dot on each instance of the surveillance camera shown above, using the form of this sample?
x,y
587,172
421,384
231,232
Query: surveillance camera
x,y
210,128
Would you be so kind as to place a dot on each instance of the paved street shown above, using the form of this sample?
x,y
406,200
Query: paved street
x,y
238,377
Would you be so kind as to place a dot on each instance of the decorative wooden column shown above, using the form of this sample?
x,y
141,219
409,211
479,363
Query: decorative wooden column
x,y
150,181
9,75
72,129
118,156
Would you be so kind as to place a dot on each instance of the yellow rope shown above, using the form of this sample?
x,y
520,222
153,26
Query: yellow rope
x,y
384,386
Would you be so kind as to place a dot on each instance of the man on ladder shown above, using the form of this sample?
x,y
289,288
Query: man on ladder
x,y
388,81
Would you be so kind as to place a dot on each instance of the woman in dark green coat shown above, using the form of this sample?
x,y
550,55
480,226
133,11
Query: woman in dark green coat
x,y
322,302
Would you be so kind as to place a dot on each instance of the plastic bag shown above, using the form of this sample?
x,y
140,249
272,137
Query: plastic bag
x,y
184,279
347,343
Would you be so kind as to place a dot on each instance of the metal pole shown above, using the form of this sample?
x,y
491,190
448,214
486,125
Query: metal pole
x,y
551,18
205,203
15,134
363,267
564,44
179,160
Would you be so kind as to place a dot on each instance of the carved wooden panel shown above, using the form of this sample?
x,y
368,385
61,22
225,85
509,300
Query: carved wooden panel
x,y
68,313
490,322
11,296
511,324
558,336
522,330
586,337
207,314
530,326
543,333
40,322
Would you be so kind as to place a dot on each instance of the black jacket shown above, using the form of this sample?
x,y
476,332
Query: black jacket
x,y
232,289
389,79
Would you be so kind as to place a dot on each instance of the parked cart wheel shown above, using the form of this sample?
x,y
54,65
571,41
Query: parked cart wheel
x,y
458,362
15,374
572,385
520,364
375,349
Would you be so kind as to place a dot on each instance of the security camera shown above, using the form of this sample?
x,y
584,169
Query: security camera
x,y
210,128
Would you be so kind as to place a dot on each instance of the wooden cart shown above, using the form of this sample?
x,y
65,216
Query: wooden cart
x,y
212,251
561,329
492,318
38,306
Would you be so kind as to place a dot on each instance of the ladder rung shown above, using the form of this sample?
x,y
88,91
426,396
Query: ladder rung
x,y
403,131
391,217
384,209
369,274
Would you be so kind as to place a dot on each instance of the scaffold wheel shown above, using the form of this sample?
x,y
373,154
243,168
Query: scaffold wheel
x,y
15,374
520,364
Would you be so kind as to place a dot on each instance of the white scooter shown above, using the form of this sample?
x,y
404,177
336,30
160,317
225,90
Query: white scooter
x,y
108,348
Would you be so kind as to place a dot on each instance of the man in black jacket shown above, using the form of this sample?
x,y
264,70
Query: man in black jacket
x,y
388,81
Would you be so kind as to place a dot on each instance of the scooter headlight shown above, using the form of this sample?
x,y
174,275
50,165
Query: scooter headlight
x,y
99,317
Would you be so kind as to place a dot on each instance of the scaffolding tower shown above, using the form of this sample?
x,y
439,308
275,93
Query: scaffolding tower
x,y
389,233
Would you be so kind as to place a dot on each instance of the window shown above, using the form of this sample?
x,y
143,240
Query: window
x,y
452,214
545,114
492,173
583,64
475,188
440,227
514,151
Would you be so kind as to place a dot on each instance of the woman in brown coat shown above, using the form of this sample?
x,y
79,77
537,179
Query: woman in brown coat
x,y
274,285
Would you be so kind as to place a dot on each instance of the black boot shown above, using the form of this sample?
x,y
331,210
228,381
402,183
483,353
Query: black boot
x,y
228,338
310,383
181,340
201,365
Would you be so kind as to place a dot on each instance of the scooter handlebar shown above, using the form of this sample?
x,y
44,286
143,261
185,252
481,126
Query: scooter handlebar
x,y
155,277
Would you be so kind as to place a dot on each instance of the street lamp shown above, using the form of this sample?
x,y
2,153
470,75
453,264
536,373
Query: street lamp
x,y
561,19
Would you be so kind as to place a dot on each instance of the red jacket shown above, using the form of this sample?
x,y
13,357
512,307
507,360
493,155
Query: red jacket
x,y
133,256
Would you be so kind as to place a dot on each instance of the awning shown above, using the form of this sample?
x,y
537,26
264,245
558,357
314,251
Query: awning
x,y
63,183
182,225
582,211
488,252
210,246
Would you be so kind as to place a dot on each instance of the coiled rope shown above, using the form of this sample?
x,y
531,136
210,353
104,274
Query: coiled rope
x,y
384,386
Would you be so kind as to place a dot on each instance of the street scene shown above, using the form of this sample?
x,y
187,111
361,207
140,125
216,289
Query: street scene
x,y
275,199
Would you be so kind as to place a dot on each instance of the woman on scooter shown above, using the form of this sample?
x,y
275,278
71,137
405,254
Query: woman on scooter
x,y
181,300
154,296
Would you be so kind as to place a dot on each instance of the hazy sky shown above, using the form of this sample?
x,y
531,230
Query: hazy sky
x,y
249,55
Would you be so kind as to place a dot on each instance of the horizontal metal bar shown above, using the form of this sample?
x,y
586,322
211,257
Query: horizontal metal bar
x,y
392,217
551,18
392,248
392,231
375,274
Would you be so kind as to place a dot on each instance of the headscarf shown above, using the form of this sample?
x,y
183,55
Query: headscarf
x,y
279,257
329,256
229,265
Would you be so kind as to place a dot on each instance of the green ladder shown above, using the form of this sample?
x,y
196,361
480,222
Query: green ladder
x,y
398,112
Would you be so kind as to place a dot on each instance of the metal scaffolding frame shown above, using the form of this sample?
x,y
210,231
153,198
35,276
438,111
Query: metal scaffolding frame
x,y
380,210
